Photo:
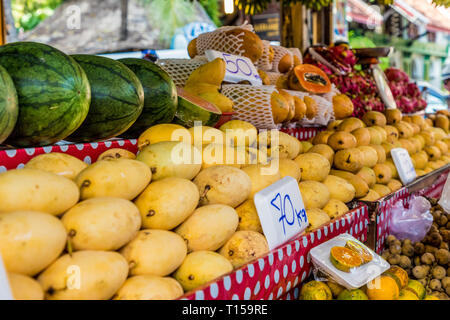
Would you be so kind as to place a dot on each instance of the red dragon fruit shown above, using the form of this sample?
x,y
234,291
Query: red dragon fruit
x,y
406,93
396,75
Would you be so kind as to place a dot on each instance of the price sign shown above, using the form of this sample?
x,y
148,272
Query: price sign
x,y
281,211
404,165
5,290
237,68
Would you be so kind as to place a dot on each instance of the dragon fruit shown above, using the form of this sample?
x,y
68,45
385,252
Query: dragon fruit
x,y
407,94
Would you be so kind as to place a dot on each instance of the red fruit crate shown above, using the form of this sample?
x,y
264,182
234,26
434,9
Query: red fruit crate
x,y
276,273
303,134
87,152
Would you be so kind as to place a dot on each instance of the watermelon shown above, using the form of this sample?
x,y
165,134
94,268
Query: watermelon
x,y
9,105
117,99
192,108
160,95
52,89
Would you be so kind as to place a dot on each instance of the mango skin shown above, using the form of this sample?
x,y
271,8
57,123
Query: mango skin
x,y
209,227
166,159
149,287
36,190
121,178
163,206
59,163
157,252
200,267
243,247
102,223
86,275
30,241
24,287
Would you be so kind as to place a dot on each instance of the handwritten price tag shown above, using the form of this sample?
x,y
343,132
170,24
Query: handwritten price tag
x,y
404,165
5,290
237,68
281,211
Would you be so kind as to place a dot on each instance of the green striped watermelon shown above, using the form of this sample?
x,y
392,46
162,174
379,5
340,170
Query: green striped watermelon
x,y
117,99
192,108
9,105
160,95
52,89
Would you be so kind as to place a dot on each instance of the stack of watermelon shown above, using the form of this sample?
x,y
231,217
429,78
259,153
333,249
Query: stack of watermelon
x,y
47,96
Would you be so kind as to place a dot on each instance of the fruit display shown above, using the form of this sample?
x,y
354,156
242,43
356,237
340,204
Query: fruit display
x,y
178,212
426,262
63,98
406,93
356,84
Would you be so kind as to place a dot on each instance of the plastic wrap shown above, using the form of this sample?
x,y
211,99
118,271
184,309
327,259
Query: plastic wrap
x,y
357,277
411,223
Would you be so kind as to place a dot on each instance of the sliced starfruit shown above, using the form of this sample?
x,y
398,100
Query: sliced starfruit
x,y
345,259
360,249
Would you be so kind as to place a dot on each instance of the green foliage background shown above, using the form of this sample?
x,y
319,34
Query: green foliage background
x,y
28,13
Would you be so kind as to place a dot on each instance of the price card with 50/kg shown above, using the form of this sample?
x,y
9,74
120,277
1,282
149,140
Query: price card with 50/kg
x,y
238,68
404,165
281,211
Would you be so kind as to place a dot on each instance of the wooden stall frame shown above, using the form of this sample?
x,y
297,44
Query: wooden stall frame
x,y
2,25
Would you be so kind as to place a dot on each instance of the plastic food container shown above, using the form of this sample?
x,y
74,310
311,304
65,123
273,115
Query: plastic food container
x,y
357,277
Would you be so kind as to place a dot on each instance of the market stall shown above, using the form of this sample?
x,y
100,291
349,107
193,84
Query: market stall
x,y
249,171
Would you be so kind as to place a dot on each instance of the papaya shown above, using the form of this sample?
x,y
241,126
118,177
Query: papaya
x,y
345,259
300,109
212,72
311,107
291,103
311,79
342,106
280,107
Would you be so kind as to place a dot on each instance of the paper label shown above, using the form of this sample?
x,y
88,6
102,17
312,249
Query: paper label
x,y
238,68
281,211
404,165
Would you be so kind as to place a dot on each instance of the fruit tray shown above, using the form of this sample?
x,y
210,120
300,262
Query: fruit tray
x,y
87,152
304,133
382,223
276,273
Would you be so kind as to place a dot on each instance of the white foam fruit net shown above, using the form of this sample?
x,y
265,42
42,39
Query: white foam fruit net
x,y
279,53
252,104
264,62
222,41
325,112
296,52
273,77
180,69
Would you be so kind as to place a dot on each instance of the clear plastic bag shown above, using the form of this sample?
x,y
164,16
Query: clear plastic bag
x,y
413,222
